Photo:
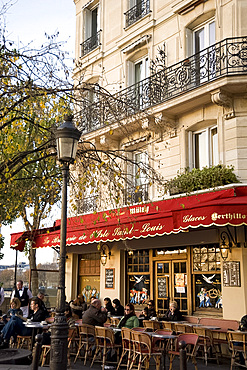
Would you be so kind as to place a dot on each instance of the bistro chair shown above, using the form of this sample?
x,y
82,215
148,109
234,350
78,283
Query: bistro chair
x,y
86,341
168,325
105,343
191,340
205,343
150,324
138,328
237,342
114,321
183,328
144,350
127,349
24,341
71,337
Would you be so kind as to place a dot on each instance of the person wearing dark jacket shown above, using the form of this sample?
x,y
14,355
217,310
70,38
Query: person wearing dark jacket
x,y
108,305
78,306
95,315
173,314
15,324
148,311
118,308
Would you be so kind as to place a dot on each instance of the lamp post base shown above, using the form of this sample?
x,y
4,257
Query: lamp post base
x,y
59,343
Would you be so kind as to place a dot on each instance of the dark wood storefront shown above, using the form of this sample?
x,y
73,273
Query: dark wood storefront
x,y
189,275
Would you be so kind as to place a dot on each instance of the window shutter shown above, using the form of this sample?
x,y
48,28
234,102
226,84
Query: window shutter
x,y
87,24
189,42
191,150
130,73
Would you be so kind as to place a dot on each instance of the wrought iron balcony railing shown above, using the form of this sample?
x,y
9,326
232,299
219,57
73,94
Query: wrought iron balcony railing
x,y
87,205
225,58
136,194
137,12
90,44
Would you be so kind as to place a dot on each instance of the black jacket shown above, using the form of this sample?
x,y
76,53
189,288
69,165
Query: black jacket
x,y
38,316
118,311
175,316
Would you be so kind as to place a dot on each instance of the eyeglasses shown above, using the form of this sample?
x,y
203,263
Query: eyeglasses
x,y
149,304
127,309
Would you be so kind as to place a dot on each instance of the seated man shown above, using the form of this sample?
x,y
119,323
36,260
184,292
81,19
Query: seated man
x,y
15,325
95,315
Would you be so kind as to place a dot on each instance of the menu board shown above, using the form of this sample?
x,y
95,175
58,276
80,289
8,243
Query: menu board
x,y
162,287
109,278
231,273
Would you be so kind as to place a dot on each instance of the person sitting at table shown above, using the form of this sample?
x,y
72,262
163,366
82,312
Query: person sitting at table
x,y
95,315
118,308
173,313
148,311
130,320
15,305
108,305
15,325
78,306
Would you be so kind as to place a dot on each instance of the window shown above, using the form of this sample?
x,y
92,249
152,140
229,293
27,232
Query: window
x,y
201,50
203,146
91,30
207,277
138,276
138,72
137,178
137,10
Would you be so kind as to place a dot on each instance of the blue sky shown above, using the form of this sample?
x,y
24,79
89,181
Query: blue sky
x,y
28,21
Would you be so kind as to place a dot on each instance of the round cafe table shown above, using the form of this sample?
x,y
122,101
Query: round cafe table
x,y
36,327
163,337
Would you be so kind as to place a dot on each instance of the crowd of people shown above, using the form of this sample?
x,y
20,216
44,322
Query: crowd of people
x,y
92,314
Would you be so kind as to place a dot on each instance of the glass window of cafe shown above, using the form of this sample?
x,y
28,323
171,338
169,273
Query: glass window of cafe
x,y
207,278
89,275
138,277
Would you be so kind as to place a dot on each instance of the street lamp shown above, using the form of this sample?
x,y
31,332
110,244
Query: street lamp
x,y
67,137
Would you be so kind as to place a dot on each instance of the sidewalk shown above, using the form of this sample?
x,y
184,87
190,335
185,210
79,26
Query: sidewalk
x,y
224,365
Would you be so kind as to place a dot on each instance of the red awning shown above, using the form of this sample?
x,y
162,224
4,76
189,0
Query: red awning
x,y
219,208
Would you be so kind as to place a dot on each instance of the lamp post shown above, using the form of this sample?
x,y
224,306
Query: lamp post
x,y
67,137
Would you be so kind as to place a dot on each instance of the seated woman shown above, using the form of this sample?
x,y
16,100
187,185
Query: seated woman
x,y
108,305
130,320
173,313
15,305
148,311
118,308
78,306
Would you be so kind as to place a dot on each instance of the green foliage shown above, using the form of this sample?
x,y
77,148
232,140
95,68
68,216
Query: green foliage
x,y
197,179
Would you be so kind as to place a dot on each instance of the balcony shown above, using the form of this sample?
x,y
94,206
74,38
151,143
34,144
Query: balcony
x,y
87,205
223,59
137,12
90,44
136,194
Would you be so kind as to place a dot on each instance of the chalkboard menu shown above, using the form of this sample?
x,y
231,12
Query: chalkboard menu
x,y
231,273
109,278
162,287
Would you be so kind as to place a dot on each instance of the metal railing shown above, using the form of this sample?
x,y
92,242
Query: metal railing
x,y
136,194
225,58
90,44
137,12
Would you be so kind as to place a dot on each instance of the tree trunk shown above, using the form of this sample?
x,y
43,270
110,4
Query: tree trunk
x,y
34,274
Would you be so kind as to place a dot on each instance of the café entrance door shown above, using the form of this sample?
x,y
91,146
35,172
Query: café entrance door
x,y
171,284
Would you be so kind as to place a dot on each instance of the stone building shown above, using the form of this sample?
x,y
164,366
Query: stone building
x,y
179,68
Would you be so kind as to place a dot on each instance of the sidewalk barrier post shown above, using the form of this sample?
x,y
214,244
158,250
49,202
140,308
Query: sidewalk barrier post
x,y
37,351
182,355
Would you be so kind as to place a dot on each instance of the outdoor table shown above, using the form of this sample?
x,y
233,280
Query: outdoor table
x,y
162,337
36,327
